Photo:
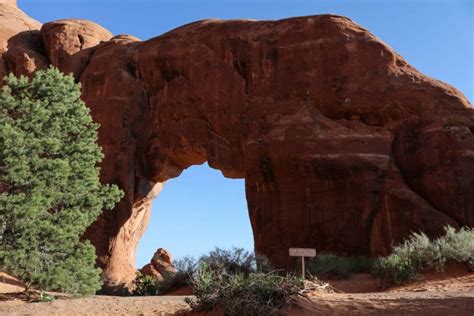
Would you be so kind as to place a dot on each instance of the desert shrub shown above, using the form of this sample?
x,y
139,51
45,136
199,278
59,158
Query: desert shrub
x,y
49,183
232,262
418,252
185,269
146,285
397,269
330,265
455,246
254,293
236,260
187,265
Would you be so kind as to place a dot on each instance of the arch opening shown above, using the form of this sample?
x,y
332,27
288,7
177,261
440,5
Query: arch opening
x,y
196,212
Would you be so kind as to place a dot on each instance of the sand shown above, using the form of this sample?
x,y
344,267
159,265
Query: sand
x,y
442,297
438,294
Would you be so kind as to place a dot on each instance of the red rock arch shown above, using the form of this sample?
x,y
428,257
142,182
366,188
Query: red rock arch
x,y
343,146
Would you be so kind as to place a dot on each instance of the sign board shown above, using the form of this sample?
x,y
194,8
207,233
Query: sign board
x,y
302,252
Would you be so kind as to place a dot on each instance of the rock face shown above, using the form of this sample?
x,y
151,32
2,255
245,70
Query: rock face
x,y
344,146
8,2
160,265
21,49
70,43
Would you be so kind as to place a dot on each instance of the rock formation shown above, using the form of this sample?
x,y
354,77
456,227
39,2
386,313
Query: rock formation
x,y
160,265
343,145
20,44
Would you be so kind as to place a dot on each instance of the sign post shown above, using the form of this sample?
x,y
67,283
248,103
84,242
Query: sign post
x,y
303,252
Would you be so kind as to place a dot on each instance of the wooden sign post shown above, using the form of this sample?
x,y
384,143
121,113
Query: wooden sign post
x,y
303,252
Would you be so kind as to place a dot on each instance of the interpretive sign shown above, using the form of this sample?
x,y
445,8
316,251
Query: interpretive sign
x,y
302,252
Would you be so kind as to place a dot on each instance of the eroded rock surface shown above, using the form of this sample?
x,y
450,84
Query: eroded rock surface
x,y
343,145
161,265
70,43
20,45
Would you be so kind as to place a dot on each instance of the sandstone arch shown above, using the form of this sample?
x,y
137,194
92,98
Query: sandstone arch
x,y
343,145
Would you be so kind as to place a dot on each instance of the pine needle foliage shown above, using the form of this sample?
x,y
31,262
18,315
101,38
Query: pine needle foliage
x,y
49,183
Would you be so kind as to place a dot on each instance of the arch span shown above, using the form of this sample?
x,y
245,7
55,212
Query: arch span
x,y
316,114
344,146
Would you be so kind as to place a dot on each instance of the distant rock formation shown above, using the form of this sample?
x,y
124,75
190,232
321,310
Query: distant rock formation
x,y
343,145
160,265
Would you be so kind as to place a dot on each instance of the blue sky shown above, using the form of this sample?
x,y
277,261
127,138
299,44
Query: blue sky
x,y
201,208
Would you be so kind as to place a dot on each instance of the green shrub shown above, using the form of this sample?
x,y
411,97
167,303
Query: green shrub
x,y
254,293
146,285
455,246
396,269
237,260
418,252
331,265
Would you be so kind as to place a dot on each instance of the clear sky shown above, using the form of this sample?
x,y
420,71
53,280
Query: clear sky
x,y
201,208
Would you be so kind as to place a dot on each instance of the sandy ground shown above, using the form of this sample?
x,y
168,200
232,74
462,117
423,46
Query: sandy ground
x,y
99,305
441,295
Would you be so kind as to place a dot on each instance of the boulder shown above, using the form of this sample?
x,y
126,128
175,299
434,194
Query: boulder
x,y
160,265
150,270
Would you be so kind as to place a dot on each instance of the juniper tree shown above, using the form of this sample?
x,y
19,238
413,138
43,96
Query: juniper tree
x,y
49,183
